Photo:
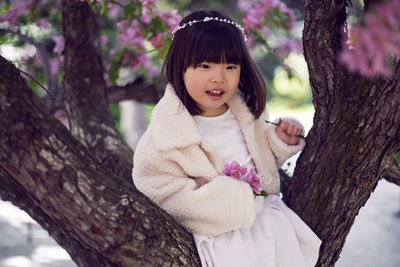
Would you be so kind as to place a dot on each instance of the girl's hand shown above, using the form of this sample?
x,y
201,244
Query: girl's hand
x,y
289,132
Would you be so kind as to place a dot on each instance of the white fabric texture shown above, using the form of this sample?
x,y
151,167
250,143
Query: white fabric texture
x,y
278,238
224,133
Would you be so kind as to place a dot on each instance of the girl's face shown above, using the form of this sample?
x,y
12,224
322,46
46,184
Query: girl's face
x,y
211,85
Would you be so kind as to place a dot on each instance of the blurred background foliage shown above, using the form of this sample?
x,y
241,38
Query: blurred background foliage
x,y
33,40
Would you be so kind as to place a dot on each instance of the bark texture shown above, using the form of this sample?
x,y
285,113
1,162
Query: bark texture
x,y
392,173
98,217
356,130
85,90
137,90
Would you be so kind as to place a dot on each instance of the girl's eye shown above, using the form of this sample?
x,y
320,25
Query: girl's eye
x,y
203,66
232,67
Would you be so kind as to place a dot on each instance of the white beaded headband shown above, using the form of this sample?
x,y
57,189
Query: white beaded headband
x,y
190,23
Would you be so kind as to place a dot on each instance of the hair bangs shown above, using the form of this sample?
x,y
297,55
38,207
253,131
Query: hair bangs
x,y
212,44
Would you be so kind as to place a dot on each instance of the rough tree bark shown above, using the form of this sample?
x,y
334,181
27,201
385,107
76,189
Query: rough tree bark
x,y
137,90
85,90
356,130
98,217
392,173
101,219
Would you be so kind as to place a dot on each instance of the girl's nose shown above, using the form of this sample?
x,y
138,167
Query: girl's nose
x,y
218,75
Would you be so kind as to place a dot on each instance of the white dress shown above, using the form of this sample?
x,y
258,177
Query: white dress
x,y
278,237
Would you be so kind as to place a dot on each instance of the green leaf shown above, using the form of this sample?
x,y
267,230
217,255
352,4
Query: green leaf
x,y
104,7
132,10
116,114
263,193
4,7
115,64
164,51
398,157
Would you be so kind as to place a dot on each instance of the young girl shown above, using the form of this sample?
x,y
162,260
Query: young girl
x,y
207,146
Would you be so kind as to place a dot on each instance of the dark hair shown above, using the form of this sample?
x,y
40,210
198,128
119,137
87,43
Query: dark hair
x,y
214,42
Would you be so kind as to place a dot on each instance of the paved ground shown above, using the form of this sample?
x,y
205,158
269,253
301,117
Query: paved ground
x,y
374,239
23,243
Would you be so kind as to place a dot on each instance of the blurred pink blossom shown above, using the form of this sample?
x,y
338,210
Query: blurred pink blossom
x,y
145,17
114,10
152,71
18,9
103,40
130,34
171,18
158,40
54,66
141,59
287,46
291,19
260,13
59,44
367,47
148,3
42,23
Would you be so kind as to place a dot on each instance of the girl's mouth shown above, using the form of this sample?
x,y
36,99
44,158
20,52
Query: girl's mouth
x,y
215,93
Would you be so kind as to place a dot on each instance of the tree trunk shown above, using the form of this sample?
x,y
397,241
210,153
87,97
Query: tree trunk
x,y
356,130
98,217
85,90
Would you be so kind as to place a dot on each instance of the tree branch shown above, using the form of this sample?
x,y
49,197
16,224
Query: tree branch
x,y
392,173
285,180
98,217
137,90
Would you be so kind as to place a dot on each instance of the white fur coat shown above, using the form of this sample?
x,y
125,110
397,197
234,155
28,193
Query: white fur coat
x,y
182,173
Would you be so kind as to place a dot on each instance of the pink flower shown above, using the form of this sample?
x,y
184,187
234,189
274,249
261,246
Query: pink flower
x,y
103,40
114,10
171,18
148,3
54,65
238,172
130,34
287,46
59,44
142,59
158,40
369,45
145,17
18,9
253,179
234,170
42,23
